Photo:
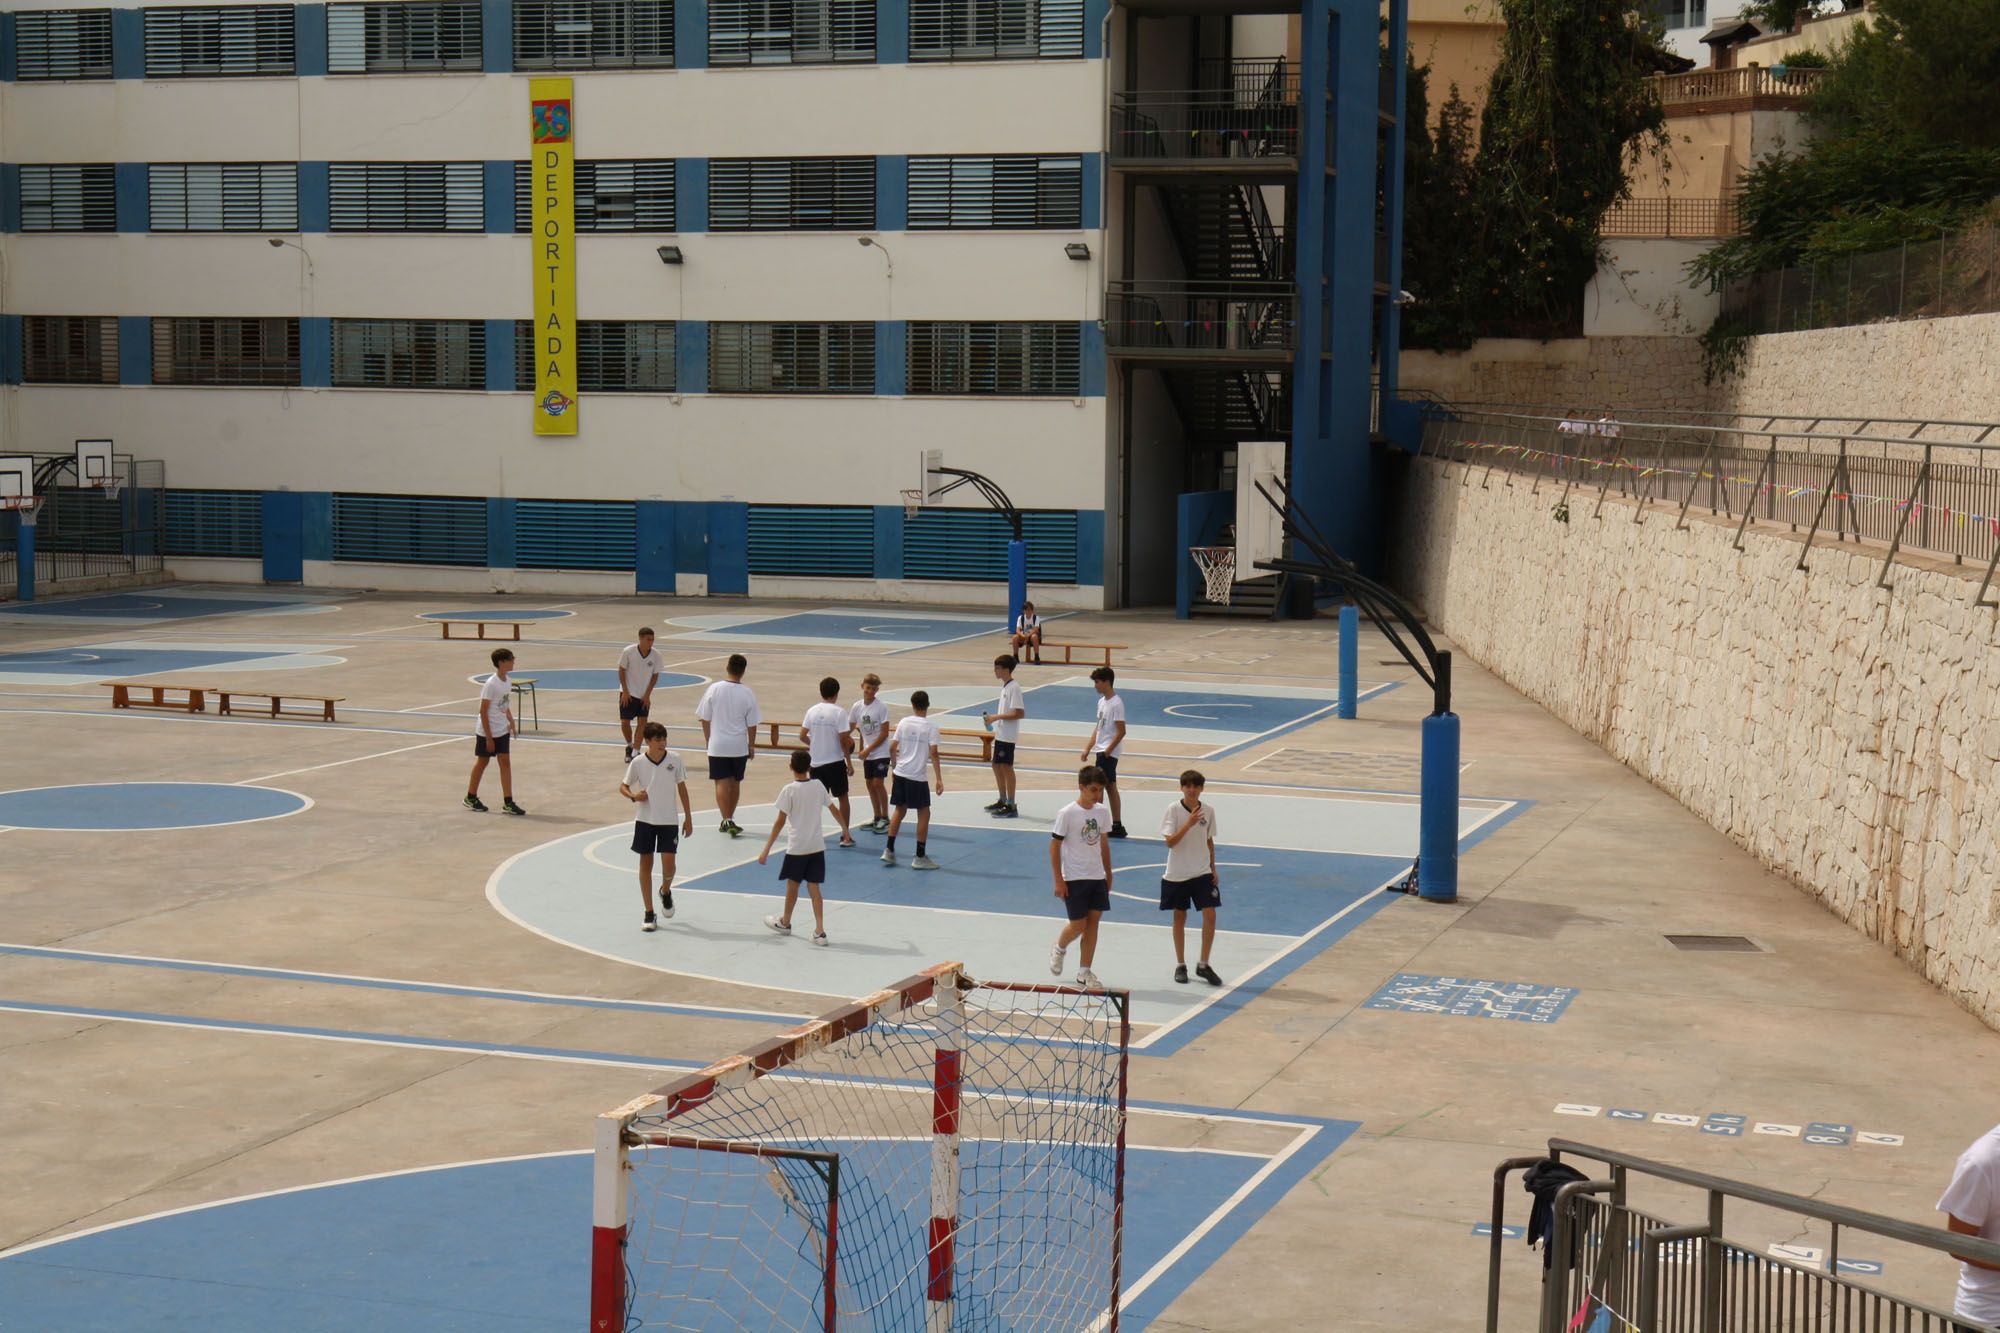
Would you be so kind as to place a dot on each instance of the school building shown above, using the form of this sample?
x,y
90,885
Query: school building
x,y
294,251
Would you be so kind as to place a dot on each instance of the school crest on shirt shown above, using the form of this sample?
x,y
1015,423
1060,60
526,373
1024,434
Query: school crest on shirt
x,y
1090,831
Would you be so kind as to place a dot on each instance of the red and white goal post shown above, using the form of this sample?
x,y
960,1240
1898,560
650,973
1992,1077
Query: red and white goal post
x,y
945,1154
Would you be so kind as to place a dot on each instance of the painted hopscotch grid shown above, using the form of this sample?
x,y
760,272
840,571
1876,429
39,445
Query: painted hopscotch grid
x,y
1348,767
1514,1001
1727,1124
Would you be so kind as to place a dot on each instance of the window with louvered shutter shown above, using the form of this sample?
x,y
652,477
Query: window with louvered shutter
x,y
223,196
791,358
407,196
593,34
610,196
68,197
989,193
409,353
612,356
69,349
791,194
1007,359
226,351
791,32
62,44
220,40
996,29
403,35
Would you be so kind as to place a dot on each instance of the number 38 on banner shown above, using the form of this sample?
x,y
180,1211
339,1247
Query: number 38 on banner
x,y
552,122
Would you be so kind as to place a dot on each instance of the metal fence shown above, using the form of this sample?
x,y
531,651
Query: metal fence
x,y
1232,316
81,534
1612,1264
1905,492
1958,273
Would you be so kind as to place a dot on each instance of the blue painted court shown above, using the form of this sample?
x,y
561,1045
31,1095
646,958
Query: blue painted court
x,y
494,1245
840,628
154,605
498,613
91,662
133,806
589,678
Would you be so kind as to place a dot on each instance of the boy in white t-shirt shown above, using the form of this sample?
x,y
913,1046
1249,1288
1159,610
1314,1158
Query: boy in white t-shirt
x,y
1107,743
656,782
870,720
1971,1205
638,671
801,803
729,718
493,736
1005,724
824,733
915,740
1080,859
1025,638
1189,881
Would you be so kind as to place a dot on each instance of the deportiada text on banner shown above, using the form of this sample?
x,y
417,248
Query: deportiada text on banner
x,y
553,331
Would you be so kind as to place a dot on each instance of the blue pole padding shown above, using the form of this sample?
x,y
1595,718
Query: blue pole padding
x,y
1017,580
1437,811
1350,662
24,559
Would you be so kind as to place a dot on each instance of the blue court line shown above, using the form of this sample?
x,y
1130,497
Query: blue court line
x,y
1292,726
391,984
466,1047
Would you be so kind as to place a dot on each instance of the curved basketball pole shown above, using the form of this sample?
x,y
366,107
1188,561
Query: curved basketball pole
x,y
1435,871
988,488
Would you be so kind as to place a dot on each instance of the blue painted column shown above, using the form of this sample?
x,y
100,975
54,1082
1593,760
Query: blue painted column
x,y
499,533
653,562
1391,340
1350,663
284,537
24,558
1437,799
1017,579
888,541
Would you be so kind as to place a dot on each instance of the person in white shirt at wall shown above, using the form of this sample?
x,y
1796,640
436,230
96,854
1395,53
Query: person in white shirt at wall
x,y
1005,724
870,720
916,740
638,672
656,782
729,718
493,737
824,733
1107,743
1190,879
801,805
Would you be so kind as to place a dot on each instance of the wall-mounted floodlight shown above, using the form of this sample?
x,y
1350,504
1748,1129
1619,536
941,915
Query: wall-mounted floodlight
x,y
669,254
1077,250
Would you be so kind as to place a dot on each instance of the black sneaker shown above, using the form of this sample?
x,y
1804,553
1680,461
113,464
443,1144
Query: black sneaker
x,y
1008,811
651,923
507,807
1180,974
666,905
1207,973
1117,830
992,806
628,754
474,804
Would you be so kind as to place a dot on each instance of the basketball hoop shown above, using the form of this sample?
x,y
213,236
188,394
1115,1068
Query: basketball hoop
x,y
913,500
109,487
27,506
1218,570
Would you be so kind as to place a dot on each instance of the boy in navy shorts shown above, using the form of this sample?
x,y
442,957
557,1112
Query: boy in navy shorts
x,y
1005,724
1080,859
1189,882
870,719
656,782
801,803
1107,742
493,736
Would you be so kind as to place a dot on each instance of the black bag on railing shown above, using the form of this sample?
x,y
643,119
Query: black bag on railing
x,y
1543,1180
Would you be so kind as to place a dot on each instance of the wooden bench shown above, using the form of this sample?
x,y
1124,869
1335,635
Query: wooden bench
x,y
445,627
1101,651
320,706
980,751
193,697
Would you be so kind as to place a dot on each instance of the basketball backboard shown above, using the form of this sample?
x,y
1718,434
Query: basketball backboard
x,y
17,479
932,481
94,463
1260,532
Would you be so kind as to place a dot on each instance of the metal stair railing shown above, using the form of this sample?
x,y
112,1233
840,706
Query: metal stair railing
x,y
1656,1276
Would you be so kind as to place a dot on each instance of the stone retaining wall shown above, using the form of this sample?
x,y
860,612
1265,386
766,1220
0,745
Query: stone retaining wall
x,y
1846,735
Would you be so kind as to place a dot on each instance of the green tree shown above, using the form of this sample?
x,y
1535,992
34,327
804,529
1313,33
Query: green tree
x,y
1438,215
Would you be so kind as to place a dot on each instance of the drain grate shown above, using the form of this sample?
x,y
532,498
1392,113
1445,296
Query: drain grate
x,y
1714,944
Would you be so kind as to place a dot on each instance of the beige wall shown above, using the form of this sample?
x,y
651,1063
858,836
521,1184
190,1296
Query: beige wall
x,y
1843,734
1460,39
1628,373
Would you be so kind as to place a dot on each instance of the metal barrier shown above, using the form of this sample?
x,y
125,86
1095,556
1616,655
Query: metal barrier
x,y
1652,1275
1957,273
1905,491
1251,111
1235,316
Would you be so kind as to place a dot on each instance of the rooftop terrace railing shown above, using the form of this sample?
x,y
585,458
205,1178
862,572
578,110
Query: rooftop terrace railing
x,y
1768,82
1903,490
1655,1276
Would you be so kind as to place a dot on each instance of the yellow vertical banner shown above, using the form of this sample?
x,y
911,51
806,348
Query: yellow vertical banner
x,y
553,193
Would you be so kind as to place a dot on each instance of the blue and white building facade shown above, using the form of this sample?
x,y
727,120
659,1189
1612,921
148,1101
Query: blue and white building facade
x,y
283,249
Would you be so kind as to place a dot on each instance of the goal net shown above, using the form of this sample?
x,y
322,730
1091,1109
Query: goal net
x,y
944,1154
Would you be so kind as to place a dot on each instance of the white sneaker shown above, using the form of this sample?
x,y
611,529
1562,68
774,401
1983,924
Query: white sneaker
x,y
1088,979
781,927
666,906
888,857
1056,961
923,863
820,939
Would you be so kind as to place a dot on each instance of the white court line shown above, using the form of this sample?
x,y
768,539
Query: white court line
x,y
379,754
421,707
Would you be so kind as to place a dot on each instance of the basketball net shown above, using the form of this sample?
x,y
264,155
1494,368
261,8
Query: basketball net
x,y
1218,570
